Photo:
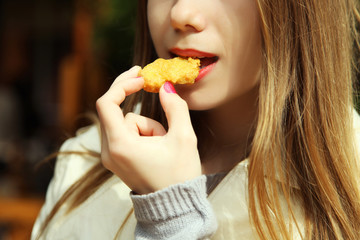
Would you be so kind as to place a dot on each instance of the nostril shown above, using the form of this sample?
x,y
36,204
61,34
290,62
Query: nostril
x,y
187,18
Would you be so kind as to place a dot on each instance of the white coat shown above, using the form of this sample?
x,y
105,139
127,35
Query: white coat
x,y
101,216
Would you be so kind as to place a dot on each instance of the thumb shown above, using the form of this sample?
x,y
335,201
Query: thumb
x,y
176,110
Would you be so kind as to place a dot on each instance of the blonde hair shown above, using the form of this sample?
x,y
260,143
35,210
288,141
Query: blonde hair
x,y
304,133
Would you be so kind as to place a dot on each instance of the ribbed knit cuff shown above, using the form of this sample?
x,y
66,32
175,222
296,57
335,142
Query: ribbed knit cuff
x,y
171,202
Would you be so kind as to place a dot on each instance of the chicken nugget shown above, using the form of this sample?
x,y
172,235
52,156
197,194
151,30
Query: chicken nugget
x,y
177,71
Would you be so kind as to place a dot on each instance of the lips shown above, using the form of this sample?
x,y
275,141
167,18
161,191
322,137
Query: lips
x,y
207,60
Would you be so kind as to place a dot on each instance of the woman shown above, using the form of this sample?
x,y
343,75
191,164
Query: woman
x,y
271,130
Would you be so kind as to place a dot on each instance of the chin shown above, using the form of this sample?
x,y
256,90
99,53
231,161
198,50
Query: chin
x,y
197,102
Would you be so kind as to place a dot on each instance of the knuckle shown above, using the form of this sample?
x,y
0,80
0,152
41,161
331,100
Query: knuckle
x,y
99,103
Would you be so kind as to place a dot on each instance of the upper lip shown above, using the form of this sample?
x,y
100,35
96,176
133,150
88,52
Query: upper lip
x,y
189,52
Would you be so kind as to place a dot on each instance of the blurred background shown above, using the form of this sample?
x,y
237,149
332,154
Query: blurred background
x,y
56,59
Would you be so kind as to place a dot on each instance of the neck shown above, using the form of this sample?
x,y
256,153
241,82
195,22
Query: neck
x,y
230,132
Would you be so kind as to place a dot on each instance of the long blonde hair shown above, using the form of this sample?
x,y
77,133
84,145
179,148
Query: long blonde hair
x,y
304,133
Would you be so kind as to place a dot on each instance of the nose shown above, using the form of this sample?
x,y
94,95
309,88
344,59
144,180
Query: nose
x,y
186,16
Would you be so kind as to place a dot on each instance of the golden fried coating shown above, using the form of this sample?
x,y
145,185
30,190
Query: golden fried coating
x,y
177,71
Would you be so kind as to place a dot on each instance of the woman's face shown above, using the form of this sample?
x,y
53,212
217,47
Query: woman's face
x,y
224,34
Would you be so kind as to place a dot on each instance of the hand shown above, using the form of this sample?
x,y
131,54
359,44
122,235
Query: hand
x,y
138,149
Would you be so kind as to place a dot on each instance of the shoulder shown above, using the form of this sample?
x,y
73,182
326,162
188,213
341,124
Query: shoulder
x,y
76,156
72,162
86,139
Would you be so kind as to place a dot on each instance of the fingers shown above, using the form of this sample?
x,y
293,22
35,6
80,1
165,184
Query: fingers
x,y
176,110
108,106
131,73
144,126
124,85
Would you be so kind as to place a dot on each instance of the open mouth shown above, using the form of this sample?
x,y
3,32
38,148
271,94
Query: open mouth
x,y
207,60
204,61
206,65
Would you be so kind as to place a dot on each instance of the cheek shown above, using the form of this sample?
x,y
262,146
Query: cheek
x,y
158,21
246,56
153,21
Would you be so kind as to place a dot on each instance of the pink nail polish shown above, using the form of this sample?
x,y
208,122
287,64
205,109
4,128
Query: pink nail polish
x,y
169,88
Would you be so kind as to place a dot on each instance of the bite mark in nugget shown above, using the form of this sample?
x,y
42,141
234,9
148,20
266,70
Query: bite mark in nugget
x,y
177,71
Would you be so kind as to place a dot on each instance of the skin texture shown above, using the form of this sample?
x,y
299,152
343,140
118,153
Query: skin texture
x,y
228,29
138,149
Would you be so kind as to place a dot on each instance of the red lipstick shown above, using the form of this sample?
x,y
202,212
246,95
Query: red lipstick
x,y
190,53
204,71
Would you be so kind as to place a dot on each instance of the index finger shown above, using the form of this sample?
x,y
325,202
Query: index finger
x,y
108,106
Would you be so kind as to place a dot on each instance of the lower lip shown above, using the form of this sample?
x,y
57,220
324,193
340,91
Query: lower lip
x,y
204,71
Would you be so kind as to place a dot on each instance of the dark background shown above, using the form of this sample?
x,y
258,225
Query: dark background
x,y
56,58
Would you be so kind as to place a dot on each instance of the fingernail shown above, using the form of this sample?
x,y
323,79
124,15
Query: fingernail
x,y
169,88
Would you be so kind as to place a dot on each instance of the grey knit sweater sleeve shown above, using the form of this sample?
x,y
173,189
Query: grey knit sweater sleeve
x,y
180,211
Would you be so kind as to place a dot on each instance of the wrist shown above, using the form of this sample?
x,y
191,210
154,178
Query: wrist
x,y
172,201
